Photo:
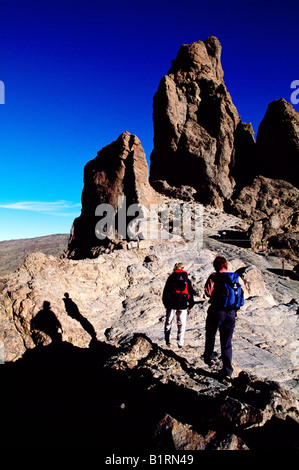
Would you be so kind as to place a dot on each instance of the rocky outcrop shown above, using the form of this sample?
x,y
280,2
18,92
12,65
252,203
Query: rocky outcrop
x,y
197,129
86,337
203,151
119,170
273,208
119,293
173,435
277,143
211,416
141,397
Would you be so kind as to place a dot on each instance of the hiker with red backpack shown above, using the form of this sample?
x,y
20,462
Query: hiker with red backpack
x,y
178,300
226,297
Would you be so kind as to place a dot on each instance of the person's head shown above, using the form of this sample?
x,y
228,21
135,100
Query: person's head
x,y
220,263
178,266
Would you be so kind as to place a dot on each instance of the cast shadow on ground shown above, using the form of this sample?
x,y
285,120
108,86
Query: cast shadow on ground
x,y
284,273
63,396
73,311
233,237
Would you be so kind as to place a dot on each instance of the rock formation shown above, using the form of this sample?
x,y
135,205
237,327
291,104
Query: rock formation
x,y
119,293
277,143
271,201
120,169
272,205
196,125
86,335
139,397
202,150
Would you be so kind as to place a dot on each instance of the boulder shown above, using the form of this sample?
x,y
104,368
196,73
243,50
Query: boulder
x,y
172,435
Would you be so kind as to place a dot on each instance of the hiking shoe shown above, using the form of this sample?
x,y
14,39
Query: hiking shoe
x,y
225,379
209,362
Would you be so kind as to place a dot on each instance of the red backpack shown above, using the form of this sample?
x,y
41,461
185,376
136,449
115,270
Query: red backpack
x,y
180,284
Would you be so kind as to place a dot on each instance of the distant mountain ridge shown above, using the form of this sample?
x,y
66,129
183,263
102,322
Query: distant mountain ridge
x,y
14,252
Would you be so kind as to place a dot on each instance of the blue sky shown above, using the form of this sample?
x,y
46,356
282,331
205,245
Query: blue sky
x,y
79,73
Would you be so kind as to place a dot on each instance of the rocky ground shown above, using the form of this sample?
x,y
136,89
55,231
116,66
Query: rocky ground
x,y
118,295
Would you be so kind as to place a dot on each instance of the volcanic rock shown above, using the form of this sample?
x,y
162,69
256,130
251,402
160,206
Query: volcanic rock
x,y
105,398
87,338
117,294
119,170
277,143
273,207
171,435
195,125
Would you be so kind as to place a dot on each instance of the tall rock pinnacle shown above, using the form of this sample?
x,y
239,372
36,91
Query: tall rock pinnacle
x,y
278,143
119,169
195,124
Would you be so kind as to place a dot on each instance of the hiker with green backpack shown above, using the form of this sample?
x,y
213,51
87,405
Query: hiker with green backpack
x,y
226,297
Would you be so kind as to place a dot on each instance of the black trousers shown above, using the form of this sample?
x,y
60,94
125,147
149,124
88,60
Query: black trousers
x,y
225,322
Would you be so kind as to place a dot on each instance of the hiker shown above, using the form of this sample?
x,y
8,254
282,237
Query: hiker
x,y
178,301
226,298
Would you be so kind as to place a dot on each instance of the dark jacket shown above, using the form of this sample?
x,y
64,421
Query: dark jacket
x,y
177,301
225,291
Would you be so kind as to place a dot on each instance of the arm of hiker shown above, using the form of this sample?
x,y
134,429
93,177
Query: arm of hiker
x,y
191,296
165,295
209,287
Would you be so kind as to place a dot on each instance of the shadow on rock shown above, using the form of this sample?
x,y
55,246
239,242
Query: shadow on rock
x,y
62,396
46,322
233,237
73,311
125,398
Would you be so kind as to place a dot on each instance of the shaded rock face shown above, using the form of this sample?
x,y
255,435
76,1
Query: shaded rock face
x,y
195,125
120,169
277,143
119,396
273,207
